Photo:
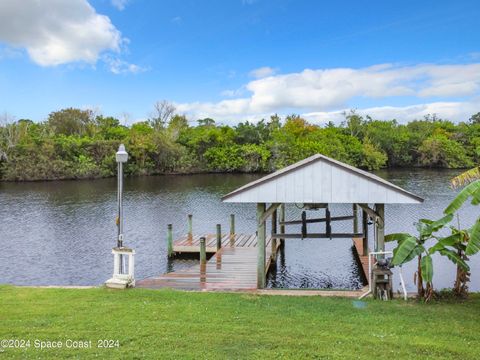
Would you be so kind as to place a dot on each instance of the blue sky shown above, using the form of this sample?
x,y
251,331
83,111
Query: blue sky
x,y
241,59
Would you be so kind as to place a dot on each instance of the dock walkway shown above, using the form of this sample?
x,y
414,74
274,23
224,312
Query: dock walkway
x,y
233,267
191,244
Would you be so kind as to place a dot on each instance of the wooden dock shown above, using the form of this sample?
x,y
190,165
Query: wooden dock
x,y
361,259
232,268
191,244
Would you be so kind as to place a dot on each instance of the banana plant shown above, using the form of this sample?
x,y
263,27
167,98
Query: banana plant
x,y
462,243
471,190
456,247
472,236
466,177
453,247
410,247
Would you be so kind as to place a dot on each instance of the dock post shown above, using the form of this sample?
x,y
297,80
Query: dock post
x,y
190,225
328,223
203,260
261,278
274,240
304,224
380,209
203,250
355,218
232,224
282,226
219,236
170,240
365,232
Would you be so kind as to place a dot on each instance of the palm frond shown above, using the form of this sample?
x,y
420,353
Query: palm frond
x,y
472,189
466,177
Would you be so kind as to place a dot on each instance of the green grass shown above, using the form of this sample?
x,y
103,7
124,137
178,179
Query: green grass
x,y
172,324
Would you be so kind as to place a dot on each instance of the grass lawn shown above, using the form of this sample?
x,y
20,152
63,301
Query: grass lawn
x,y
172,324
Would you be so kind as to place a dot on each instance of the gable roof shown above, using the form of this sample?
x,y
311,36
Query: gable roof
x,y
320,179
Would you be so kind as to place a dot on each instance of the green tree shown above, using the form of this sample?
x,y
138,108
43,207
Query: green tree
x,y
70,121
393,139
475,118
354,124
209,122
372,158
162,114
439,151
176,125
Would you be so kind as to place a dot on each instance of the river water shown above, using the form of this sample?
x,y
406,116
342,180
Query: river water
x,y
62,232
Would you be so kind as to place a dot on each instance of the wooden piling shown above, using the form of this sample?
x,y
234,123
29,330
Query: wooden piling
x,y
304,224
232,224
261,276
380,209
170,240
365,232
355,218
219,236
203,250
274,231
282,221
190,225
328,219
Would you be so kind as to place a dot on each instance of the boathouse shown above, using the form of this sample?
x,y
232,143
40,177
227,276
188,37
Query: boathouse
x,y
314,183
241,261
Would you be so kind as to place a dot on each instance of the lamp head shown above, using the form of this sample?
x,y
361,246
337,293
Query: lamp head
x,y
121,155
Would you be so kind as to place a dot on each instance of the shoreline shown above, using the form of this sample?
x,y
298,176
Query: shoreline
x,y
206,172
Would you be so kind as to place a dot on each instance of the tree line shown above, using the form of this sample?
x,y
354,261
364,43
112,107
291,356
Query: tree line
x,y
74,143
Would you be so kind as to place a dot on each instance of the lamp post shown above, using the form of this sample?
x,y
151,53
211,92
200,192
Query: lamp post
x,y
123,276
121,156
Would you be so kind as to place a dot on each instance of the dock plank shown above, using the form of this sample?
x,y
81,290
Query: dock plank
x,y
232,268
358,249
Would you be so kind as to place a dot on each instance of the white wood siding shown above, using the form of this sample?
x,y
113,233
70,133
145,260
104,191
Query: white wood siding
x,y
321,182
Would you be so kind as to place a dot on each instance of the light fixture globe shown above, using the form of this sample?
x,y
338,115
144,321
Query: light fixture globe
x,y
121,155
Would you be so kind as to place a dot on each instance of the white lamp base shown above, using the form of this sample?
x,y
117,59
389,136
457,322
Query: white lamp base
x,y
122,281
119,283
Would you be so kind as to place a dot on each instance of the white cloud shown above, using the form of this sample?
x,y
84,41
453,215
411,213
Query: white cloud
x,y
221,110
120,4
177,20
233,93
262,72
453,111
119,66
324,90
57,32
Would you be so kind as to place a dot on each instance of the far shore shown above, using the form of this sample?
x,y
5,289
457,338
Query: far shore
x,y
200,172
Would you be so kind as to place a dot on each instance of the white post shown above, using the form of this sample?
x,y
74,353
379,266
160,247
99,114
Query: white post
x,y
116,264
131,265
122,277
121,157
119,279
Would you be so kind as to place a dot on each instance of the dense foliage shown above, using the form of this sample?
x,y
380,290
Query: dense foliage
x,y
74,143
